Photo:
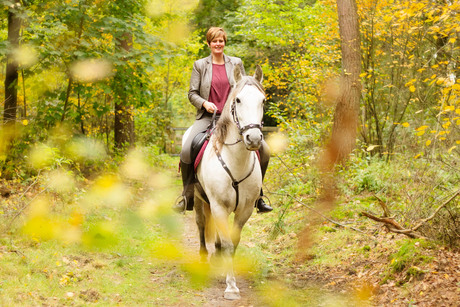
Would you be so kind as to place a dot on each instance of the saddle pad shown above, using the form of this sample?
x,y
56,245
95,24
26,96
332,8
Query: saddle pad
x,y
200,154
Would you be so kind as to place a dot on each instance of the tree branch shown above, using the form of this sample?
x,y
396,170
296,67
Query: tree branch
x,y
393,226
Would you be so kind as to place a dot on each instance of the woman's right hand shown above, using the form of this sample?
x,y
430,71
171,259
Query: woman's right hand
x,y
209,106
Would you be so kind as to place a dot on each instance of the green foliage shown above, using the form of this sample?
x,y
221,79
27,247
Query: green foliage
x,y
373,175
297,54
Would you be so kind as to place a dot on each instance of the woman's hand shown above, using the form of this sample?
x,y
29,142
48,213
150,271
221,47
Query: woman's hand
x,y
209,106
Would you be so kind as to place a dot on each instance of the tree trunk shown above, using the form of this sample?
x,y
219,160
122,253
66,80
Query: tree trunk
x,y
124,120
11,78
67,97
346,114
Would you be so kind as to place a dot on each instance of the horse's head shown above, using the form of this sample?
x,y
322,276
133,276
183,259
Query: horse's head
x,y
248,107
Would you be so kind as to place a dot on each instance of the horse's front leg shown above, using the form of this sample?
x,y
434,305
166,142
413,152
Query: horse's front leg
x,y
227,251
241,217
200,219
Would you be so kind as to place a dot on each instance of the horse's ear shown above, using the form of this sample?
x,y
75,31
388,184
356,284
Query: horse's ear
x,y
237,74
259,75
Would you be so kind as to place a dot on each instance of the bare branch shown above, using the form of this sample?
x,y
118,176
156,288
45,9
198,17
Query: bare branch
x,y
454,195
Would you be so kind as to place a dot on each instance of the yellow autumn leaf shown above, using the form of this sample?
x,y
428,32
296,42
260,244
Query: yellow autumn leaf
x,y
25,122
371,147
452,148
428,143
412,88
406,124
421,128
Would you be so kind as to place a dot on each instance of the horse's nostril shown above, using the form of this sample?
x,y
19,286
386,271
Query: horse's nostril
x,y
248,139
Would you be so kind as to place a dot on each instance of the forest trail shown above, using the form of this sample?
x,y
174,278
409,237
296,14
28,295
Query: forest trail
x,y
213,295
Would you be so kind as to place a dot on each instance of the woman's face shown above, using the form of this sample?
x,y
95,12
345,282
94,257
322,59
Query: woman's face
x,y
217,45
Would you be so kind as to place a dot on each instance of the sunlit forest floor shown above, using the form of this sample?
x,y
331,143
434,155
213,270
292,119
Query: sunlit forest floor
x,y
154,261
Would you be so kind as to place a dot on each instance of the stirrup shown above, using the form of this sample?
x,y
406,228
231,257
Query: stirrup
x,y
180,208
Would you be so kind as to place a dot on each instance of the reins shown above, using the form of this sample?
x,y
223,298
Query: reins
x,y
213,127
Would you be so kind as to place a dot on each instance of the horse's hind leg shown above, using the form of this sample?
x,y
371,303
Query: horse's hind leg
x,y
200,219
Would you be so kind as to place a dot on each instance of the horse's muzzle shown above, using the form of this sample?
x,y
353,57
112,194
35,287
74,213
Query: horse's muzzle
x,y
253,139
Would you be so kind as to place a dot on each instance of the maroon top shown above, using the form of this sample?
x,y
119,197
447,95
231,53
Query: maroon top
x,y
220,87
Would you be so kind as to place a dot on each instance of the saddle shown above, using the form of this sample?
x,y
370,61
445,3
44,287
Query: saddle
x,y
200,141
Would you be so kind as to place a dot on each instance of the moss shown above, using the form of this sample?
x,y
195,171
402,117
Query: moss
x,y
410,253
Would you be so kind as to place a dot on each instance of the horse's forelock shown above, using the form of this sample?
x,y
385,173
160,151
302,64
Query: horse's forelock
x,y
225,119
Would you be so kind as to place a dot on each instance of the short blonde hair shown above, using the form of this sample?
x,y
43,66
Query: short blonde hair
x,y
215,32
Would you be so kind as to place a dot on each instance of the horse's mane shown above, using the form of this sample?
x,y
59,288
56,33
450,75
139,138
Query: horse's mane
x,y
226,118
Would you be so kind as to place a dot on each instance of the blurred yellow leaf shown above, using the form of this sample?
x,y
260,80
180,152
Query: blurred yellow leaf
x,y
278,142
91,70
371,147
25,56
421,128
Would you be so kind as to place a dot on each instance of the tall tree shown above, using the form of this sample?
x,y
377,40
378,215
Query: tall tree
x,y
124,117
344,130
11,77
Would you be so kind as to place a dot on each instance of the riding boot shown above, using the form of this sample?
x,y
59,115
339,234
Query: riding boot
x,y
188,179
261,206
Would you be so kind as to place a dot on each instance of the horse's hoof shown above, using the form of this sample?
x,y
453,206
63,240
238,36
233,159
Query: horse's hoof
x,y
232,296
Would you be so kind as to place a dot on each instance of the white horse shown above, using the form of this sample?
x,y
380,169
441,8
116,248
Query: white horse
x,y
229,175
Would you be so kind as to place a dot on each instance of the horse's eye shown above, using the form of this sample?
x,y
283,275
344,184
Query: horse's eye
x,y
238,100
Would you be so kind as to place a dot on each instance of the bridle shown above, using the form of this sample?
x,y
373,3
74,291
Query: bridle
x,y
241,130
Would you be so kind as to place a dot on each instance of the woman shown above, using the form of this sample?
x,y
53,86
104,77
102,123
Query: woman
x,y
210,85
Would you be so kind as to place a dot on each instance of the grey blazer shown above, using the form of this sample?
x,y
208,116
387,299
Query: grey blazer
x,y
200,82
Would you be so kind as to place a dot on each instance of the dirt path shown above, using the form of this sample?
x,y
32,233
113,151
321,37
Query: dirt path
x,y
213,295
